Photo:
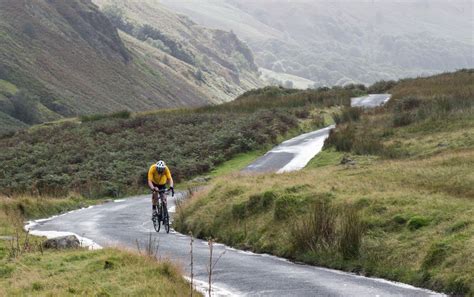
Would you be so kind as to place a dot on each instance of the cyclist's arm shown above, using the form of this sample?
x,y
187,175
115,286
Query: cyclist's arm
x,y
169,178
150,185
170,182
150,178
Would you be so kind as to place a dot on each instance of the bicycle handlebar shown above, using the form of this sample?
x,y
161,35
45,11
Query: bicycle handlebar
x,y
162,191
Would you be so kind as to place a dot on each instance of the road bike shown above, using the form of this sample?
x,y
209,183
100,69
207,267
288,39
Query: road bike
x,y
160,214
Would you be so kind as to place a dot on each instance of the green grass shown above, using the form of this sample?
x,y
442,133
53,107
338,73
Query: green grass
x,y
7,88
405,216
108,272
237,163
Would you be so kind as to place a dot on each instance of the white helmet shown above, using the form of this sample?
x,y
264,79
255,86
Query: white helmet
x,y
160,166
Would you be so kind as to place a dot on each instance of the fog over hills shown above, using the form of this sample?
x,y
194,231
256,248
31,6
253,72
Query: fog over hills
x,y
337,42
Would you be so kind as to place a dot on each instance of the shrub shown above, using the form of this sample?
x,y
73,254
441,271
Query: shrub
x,y
349,114
302,113
367,144
318,121
260,202
124,114
285,206
342,138
399,219
239,211
381,86
317,229
352,230
25,108
401,119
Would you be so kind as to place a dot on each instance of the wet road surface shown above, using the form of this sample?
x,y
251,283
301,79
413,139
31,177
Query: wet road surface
x,y
238,273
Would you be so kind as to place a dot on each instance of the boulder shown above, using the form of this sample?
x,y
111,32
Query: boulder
x,y
347,161
63,242
201,179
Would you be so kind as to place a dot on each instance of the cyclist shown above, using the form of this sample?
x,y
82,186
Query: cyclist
x,y
159,176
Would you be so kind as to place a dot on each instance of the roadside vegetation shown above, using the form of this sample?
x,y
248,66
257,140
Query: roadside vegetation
x,y
400,206
28,269
109,155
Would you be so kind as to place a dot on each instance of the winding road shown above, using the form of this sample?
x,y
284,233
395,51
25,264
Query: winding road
x,y
125,222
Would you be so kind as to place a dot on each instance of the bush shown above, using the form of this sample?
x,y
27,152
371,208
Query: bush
x,y
124,114
239,211
285,206
381,86
352,229
399,219
317,229
260,202
349,114
342,138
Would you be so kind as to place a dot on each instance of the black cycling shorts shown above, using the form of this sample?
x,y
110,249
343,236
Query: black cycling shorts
x,y
160,187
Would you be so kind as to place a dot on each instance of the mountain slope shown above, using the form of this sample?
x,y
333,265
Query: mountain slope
x,y
337,42
65,58
222,64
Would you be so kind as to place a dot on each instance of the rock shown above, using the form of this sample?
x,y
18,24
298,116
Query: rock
x,y
201,179
108,265
347,161
63,242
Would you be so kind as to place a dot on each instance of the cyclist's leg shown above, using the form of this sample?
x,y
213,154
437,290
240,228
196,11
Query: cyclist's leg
x,y
162,196
154,200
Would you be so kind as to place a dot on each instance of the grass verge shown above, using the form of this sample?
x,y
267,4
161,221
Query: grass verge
x,y
402,208
107,272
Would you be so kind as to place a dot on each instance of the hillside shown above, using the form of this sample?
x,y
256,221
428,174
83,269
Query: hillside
x,y
391,195
338,42
116,149
222,65
61,59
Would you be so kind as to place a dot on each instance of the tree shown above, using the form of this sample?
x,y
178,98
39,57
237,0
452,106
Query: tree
x,y
25,108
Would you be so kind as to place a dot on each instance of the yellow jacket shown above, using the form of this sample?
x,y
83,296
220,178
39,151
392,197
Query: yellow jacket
x,y
157,178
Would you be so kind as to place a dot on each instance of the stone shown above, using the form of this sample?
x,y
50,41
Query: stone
x,y
347,161
201,179
442,144
63,242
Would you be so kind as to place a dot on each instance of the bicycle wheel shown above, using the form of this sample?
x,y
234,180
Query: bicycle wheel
x,y
166,219
156,222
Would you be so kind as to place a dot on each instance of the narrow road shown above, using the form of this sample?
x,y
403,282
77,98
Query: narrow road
x,y
370,101
292,154
125,222
238,273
